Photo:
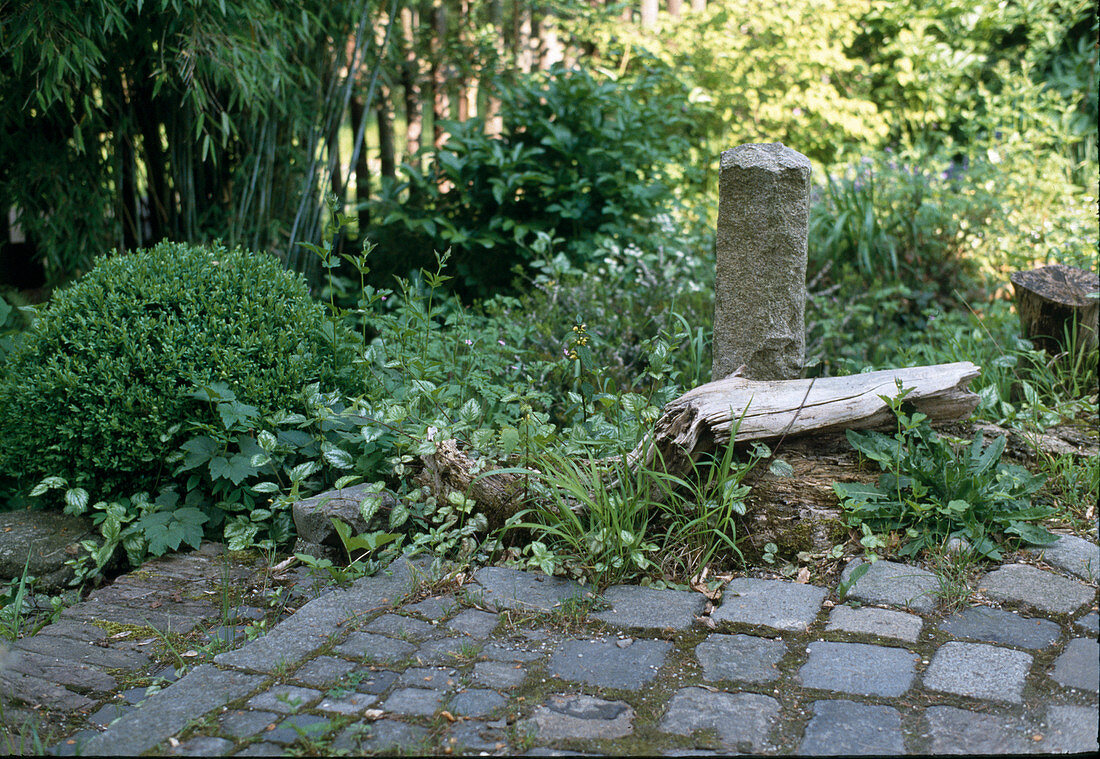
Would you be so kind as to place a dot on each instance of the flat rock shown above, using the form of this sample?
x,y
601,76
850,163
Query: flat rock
x,y
893,584
202,690
858,668
1027,585
771,603
447,650
291,729
846,727
1069,729
744,658
1079,665
73,675
868,620
352,703
603,664
41,542
741,720
978,670
84,652
1074,555
960,731
436,678
203,745
1000,626
645,608
582,717
313,516
525,591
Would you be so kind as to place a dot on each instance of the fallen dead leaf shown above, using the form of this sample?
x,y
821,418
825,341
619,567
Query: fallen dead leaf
x,y
448,716
123,634
803,575
373,714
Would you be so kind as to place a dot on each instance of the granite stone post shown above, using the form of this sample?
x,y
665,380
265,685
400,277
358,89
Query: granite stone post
x,y
760,302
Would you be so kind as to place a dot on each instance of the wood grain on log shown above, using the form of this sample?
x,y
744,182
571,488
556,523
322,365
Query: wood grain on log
x,y
498,495
703,418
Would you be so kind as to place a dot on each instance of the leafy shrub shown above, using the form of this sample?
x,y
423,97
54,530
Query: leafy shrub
x,y
101,387
580,159
930,494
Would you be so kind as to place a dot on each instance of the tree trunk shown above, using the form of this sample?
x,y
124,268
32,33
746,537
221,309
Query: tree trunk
x,y
385,133
698,6
494,126
362,168
675,8
438,74
704,418
1052,300
410,85
649,14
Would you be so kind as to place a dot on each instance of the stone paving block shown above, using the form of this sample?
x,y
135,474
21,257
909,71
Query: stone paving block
x,y
29,689
646,608
605,665
499,674
745,658
474,622
71,674
74,744
161,621
893,584
959,731
108,713
375,681
1030,586
868,620
405,628
423,702
386,736
84,652
285,698
504,651
352,703
526,591
1079,665
846,727
1069,729
262,748
374,647
741,720
475,702
1074,555
203,745
978,670
165,713
581,717
434,608
447,650
471,738
292,729
244,723
1000,626
858,668
436,678
323,672
1089,623
772,603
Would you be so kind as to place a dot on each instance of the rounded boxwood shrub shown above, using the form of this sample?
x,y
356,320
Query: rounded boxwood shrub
x,y
99,391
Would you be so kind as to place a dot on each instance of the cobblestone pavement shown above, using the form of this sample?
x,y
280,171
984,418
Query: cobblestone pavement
x,y
509,662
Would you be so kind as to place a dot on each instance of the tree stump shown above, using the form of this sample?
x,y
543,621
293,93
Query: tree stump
x,y
1050,299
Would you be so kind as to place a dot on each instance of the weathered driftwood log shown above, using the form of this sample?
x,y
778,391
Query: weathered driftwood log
x,y
498,495
1050,299
703,418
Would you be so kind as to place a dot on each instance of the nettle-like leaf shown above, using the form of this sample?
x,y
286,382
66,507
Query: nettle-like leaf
x,y
166,530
